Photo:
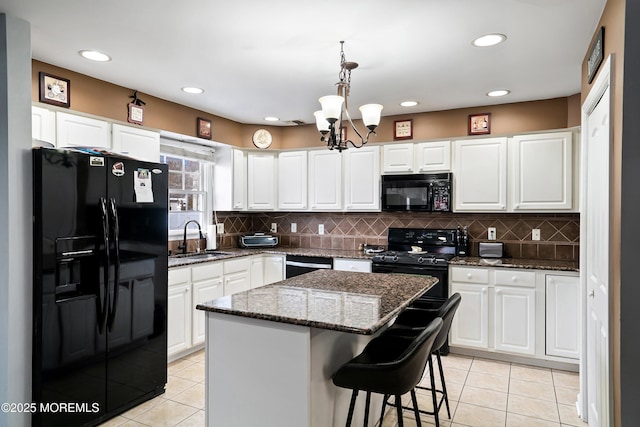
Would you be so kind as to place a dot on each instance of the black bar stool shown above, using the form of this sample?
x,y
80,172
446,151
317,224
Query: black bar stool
x,y
410,323
388,365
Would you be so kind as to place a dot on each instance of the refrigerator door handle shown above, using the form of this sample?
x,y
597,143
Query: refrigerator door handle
x,y
103,295
116,272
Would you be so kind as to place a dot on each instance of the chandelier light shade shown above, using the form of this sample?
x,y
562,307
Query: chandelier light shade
x,y
329,119
371,115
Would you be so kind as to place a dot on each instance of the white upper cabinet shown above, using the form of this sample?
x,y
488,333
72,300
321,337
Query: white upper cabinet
x,y
43,124
73,131
397,158
432,156
480,174
141,144
362,179
292,180
541,173
261,181
325,180
239,186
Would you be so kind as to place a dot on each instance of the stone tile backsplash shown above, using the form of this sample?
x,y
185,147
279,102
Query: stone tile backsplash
x,y
560,233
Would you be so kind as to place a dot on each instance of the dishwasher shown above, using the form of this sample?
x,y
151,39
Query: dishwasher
x,y
301,264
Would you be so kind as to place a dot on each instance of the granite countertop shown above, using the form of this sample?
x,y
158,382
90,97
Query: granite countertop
x,y
280,250
537,264
343,301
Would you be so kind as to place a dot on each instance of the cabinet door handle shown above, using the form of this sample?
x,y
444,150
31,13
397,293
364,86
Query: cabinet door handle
x,y
484,290
514,279
469,276
499,292
592,294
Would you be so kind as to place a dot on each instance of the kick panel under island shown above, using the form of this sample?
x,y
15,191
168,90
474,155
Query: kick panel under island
x,y
271,351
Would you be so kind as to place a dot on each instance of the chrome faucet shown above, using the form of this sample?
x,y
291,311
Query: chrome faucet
x,y
184,238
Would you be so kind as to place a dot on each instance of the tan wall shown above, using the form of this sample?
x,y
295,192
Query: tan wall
x,y
613,21
104,99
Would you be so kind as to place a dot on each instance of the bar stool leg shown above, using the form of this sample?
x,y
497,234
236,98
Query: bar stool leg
x,y
366,409
444,387
399,410
434,396
416,411
384,406
351,407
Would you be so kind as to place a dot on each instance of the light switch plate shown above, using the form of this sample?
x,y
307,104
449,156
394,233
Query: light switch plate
x,y
535,234
491,233
294,227
274,227
220,228
320,228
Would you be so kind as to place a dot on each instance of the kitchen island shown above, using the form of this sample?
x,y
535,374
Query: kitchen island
x,y
271,351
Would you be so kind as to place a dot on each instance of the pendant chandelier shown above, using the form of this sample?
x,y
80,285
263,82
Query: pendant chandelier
x,y
329,119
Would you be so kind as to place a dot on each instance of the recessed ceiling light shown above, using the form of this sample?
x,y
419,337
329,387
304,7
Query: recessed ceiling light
x,y
272,119
409,103
489,40
501,92
192,90
94,55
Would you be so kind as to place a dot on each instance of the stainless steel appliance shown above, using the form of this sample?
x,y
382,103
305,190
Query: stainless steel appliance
x,y
417,192
301,264
99,284
258,240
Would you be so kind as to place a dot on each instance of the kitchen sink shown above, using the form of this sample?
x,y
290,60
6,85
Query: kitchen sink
x,y
208,254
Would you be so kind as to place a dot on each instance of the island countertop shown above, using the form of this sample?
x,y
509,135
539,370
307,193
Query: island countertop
x,y
354,302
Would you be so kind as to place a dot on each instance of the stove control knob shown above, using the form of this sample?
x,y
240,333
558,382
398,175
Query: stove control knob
x,y
395,258
420,260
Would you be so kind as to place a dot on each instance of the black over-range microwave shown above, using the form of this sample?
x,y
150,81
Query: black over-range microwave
x,y
417,192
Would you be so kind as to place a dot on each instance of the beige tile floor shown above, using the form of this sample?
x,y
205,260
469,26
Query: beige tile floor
x,y
482,393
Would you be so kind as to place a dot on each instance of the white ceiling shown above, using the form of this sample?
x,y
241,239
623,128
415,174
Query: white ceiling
x,y
257,58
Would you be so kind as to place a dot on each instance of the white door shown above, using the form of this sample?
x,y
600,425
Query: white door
x,y
470,327
595,248
433,156
73,131
563,316
397,158
480,175
541,171
515,319
292,180
325,180
178,318
239,197
273,268
362,179
261,181
141,144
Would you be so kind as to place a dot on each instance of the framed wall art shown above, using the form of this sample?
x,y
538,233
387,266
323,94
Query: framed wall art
x,y
403,129
135,113
55,90
204,128
480,124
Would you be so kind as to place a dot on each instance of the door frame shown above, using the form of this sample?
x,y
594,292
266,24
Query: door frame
x,y
603,82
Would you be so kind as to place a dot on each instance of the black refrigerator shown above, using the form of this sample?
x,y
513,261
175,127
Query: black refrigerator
x,y
99,285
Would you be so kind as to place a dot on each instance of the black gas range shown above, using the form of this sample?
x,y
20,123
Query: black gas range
x,y
419,251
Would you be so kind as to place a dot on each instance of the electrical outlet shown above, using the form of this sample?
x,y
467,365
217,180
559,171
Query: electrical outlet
x,y
491,233
274,227
320,228
220,228
294,227
535,234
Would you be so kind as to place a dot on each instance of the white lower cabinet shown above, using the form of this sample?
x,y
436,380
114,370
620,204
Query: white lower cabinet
x,y
470,326
273,268
515,320
349,264
179,311
532,313
563,330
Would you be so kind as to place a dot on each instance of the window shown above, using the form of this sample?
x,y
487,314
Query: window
x,y
187,191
